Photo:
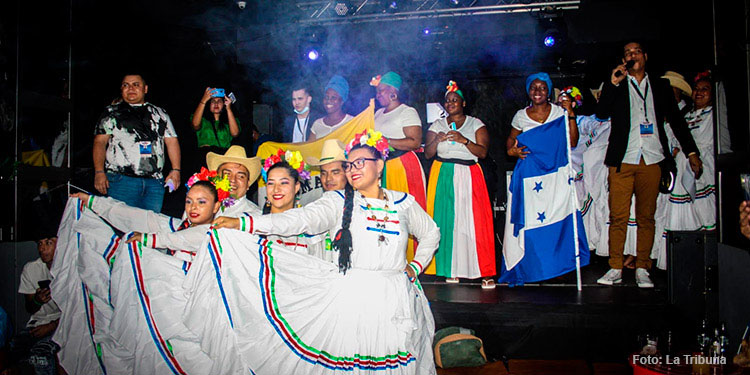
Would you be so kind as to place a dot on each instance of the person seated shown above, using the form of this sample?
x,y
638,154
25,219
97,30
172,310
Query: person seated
x,y
33,345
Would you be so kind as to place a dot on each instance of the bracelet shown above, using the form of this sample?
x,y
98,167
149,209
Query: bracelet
x,y
99,172
176,169
36,302
204,103
467,142
571,117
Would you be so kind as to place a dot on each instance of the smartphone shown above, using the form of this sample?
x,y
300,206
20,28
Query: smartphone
x,y
232,97
44,284
217,93
745,182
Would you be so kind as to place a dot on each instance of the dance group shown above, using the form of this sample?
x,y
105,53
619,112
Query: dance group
x,y
330,286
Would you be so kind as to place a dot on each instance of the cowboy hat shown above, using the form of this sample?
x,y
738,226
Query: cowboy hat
x,y
333,150
235,154
678,81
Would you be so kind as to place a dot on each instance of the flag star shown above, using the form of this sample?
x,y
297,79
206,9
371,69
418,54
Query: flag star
x,y
538,186
541,216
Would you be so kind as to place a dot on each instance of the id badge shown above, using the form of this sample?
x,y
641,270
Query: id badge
x,y
647,130
145,148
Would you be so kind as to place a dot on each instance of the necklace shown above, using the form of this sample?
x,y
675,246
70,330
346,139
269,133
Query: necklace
x,y
380,226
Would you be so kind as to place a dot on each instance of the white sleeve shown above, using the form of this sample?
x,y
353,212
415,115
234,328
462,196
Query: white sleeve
x,y
314,218
27,284
189,239
410,117
516,122
129,219
169,132
427,233
436,127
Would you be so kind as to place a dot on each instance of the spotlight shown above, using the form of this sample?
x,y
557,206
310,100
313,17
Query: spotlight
x,y
549,41
455,3
426,31
343,8
313,54
391,6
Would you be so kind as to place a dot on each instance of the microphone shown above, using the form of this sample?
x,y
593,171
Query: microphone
x,y
629,64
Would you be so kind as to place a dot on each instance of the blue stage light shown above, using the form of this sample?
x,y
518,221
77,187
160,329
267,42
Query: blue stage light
x,y
426,31
313,54
549,41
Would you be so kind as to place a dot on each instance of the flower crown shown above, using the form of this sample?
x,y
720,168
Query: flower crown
x,y
375,81
370,138
453,87
294,158
220,182
575,94
702,75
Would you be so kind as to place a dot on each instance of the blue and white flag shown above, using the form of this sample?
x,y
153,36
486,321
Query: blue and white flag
x,y
543,220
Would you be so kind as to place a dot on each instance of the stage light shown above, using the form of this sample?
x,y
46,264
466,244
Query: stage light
x,y
313,54
549,41
342,8
391,6
426,31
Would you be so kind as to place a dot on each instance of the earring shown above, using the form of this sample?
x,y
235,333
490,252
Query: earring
x,y
297,199
268,204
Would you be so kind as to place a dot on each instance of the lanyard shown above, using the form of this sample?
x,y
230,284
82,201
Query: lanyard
x,y
643,97
299,126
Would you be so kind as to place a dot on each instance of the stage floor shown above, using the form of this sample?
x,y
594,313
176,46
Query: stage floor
x,y
553,320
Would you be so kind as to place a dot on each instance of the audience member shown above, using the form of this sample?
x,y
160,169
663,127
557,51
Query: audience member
x,y
34,345
297,128
216,127
129,149
258,138
638,108
335,94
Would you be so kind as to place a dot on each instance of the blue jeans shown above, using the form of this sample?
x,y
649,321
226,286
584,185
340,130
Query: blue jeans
x,y
39,353
146,193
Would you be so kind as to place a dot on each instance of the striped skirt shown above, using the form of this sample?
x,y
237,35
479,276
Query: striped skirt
x,y
405,173
458,202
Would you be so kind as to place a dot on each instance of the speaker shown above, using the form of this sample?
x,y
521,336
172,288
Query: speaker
x,y
693,281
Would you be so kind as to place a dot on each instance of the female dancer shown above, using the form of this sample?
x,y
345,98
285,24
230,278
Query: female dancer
x,y
463,212
363,315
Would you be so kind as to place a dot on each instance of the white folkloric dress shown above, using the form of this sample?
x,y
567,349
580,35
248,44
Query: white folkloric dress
x,y
261,308
700,213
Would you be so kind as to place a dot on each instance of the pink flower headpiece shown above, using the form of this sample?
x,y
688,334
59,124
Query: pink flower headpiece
x,y
370,138
223,187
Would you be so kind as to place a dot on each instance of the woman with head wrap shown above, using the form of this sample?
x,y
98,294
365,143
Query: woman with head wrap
x,y
402,127
334,96
457,196
692,203
538,87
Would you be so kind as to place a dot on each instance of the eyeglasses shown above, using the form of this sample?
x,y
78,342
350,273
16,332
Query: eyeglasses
x,y
357,164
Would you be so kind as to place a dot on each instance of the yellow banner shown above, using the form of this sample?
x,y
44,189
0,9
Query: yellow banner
x,y
364,120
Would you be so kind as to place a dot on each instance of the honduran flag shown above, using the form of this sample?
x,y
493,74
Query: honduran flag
x,y
543,222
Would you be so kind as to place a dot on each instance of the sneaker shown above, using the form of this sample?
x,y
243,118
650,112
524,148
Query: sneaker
x,y
613,276
451,280
642,279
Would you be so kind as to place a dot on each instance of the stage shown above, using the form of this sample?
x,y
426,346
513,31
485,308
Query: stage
x,y
552,320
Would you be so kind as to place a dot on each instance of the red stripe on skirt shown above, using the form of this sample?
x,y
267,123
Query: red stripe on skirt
x,y
483,229
415,177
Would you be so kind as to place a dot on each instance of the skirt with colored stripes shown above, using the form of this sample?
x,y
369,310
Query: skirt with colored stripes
x,y
405,173
686,213
458,202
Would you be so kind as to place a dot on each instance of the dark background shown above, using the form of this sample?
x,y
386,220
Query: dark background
x,y
183,46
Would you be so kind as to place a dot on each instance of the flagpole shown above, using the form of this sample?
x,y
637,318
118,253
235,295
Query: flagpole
x,y
574,199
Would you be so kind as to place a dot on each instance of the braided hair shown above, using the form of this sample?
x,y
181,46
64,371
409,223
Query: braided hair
x,y
343,240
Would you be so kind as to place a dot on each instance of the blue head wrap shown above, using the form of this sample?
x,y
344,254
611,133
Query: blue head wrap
x,y
544,77
338,84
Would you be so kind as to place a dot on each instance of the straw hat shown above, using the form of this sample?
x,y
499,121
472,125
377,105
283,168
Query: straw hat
x,y
333,150
678,81
235,154
597,92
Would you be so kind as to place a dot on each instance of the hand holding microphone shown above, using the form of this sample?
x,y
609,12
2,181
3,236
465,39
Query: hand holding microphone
x,y
619,73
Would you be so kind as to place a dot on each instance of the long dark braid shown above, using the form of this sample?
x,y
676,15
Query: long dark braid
x,y
343,240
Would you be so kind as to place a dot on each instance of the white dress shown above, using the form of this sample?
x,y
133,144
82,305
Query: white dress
x,y
686,213
263,309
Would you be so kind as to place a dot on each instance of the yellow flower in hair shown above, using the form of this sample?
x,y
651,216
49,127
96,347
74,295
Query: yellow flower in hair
x,y
223,184
294,159
373,138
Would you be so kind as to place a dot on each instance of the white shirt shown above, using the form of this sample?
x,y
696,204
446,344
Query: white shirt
x,y
299,134
646,145
523,122
34,272
392,124
455,150
320,129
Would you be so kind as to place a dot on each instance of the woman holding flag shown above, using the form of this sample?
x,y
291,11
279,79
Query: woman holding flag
x,y
463,211
366,314
539,87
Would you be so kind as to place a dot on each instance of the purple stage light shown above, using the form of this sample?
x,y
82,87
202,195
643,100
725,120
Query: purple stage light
x,y
549,41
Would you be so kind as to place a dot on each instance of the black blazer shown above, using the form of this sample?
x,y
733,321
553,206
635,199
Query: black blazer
x,y
290,122
615,104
